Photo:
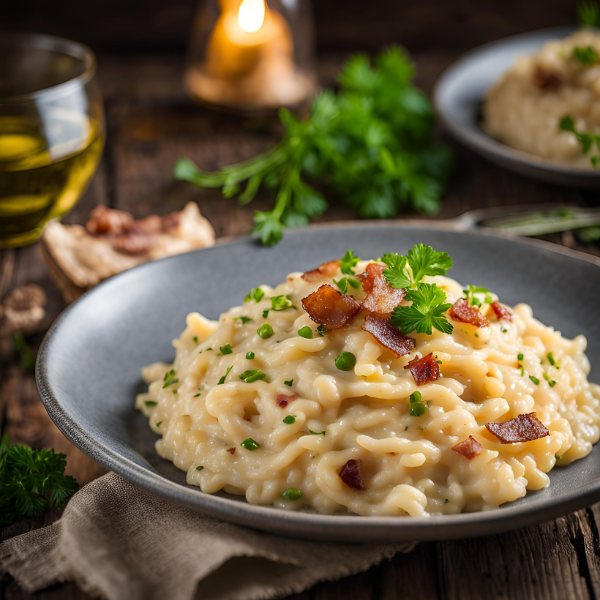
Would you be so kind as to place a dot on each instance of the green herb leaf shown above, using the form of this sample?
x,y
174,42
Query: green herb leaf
x,y
424,260
520,356
196,339
159,424
199,468
250,444
252,375
255,294
169,378
586,55
348,262
551,360
321,330
289,383
244,320
317,432
551,382
534,379
397,274
588,14
587,140
226,349
150,403
279,303
426,312
342,284
222,380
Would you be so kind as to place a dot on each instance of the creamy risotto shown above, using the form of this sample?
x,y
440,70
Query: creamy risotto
x,y
527,107
328,392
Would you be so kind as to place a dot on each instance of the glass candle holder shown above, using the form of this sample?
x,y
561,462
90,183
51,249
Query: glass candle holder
x,y
252,55
51,131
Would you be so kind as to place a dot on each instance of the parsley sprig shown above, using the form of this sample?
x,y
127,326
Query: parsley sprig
x,y
587,140
586,55
30,481
279,303
373,141
588,14
428,308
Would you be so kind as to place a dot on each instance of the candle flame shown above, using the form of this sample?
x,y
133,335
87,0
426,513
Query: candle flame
x,y
251,15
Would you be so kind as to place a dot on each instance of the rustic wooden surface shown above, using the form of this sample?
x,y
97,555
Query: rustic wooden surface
x,y
150,124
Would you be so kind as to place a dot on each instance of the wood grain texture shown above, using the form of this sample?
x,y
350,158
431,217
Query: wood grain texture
x,y
150,125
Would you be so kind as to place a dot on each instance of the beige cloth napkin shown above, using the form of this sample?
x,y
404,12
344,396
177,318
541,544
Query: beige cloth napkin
x,y
123,543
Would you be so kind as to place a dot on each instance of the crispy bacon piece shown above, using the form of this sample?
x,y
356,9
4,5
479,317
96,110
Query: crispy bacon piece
x,y
104,220
461,311
133,242
545,78
381,297
469,448
525,428
388,335
328,269
500,311
283,400
351,476
231,450
330,308
424,370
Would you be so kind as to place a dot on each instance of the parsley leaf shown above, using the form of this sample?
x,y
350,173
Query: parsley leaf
x,y
279,303
397,274
255,294
470,292
586,55
169,378
587,140
588,14
244,320
348,262
222,380
27,476
226,349
424,260
426,312
252,375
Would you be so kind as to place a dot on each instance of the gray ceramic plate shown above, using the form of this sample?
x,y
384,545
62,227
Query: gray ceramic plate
x,y
461,89
89,366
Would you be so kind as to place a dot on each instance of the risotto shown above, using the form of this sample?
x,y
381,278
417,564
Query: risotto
x,y
546,102
376,387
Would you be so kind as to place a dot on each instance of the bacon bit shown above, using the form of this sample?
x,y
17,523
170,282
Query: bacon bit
x,y
424,370
330,308
283,400
328,269
133,242
104,220
381,297
461,311
351,476
231,450
249,419
469,448
545,79
388,335
501,311
525,428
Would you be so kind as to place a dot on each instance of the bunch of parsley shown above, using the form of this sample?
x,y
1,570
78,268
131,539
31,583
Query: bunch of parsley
x,y
30,480
372,141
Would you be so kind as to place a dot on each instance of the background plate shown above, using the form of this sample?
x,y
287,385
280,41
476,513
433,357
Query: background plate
x,y
461,89
88,370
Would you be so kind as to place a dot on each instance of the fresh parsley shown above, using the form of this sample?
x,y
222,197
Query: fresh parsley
x,y
222,380
150,403
586,55
427,311
226,349
30,481
252,375
348,262
169,378
321,329
289,383
244,320
342,284
255,294
474,300
373,141
587,140
279,303
588,14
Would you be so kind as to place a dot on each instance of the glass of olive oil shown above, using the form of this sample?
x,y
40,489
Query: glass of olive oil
x,y
51,131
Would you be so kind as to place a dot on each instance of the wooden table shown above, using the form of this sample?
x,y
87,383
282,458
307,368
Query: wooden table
x,y
150,124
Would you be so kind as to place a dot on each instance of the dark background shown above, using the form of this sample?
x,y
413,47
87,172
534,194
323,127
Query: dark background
x,y
145,25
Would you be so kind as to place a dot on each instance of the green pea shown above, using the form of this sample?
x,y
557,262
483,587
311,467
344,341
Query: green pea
x,y
265,331
417,409
305,332
415,397
292,494
345,361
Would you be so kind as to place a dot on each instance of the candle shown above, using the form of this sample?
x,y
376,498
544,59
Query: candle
x,y
249,60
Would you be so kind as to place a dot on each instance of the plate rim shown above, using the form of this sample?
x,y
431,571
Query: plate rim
x,y
343,528
477,139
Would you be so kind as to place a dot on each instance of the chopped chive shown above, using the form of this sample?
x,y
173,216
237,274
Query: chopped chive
x,y
197,395
550,358
196,339
150,403
222,380
199,468
446,501
251,376
520,356
292,494
534,379
321,329
317,432
503,329
551,382
289,383
244,320
159,424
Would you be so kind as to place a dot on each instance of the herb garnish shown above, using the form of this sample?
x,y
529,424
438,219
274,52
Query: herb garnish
x,y
243,319
251,376
472,300
159,424
289,383
317,432
551,382
586,55
520,356
551,360
169,378
428,300
373,140
199,468
250,355
255,294
534,379
250,444
226,349
26,477
150,403
321,329
343,284
588,14
195,339
222,380
290,420
587,140
279,303
292,494
305,332
348,262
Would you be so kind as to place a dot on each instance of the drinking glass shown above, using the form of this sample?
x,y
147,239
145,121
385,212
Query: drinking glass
x,y
51,131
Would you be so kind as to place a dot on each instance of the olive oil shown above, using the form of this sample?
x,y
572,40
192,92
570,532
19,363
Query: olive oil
x,y
45,166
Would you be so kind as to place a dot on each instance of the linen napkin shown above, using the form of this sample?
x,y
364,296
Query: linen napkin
x,y
124,543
